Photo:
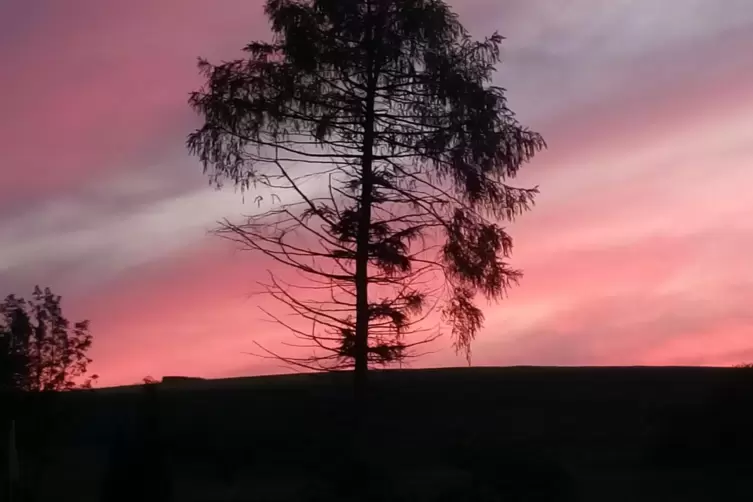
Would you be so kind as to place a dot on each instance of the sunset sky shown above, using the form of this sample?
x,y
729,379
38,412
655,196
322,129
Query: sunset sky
x,y
638,251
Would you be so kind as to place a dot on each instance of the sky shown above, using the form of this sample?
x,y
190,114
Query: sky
x,y
638,251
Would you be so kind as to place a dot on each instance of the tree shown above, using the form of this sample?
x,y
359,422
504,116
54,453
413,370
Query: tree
x,y
15,331
385,153
41,350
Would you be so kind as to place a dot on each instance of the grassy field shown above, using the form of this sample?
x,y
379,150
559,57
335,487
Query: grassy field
x,y
524,433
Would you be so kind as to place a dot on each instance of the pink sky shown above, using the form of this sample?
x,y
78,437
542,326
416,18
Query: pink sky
x,y
638,251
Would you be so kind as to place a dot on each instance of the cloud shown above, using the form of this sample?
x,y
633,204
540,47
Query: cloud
x,y
661,301
122,223
562,56
91,89
635,253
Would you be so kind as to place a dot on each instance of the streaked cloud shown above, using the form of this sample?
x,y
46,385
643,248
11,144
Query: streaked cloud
x,y
637,252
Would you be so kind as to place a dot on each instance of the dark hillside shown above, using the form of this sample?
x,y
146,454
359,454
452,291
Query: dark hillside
x,y
586,433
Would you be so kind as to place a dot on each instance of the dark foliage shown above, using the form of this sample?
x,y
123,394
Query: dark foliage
x,y
382,154
40,350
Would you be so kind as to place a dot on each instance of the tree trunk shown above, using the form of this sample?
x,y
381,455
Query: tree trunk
x,y
360,445
361,356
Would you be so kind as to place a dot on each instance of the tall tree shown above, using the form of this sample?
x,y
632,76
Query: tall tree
x,y
41,349
15,333
387,151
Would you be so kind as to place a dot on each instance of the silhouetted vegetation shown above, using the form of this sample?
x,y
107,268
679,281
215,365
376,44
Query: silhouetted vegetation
x,y
40,350
387,108
149,380
372,131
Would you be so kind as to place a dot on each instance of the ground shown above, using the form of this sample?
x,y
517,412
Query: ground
x,y
458,434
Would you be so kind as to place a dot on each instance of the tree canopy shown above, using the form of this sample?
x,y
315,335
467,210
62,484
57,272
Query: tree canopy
x,y
388,153
40,349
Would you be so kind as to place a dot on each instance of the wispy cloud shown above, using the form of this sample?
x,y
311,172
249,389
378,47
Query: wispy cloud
x,y
636,252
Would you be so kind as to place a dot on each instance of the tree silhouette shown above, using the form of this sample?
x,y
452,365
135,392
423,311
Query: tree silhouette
x,y
40,348
374,134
